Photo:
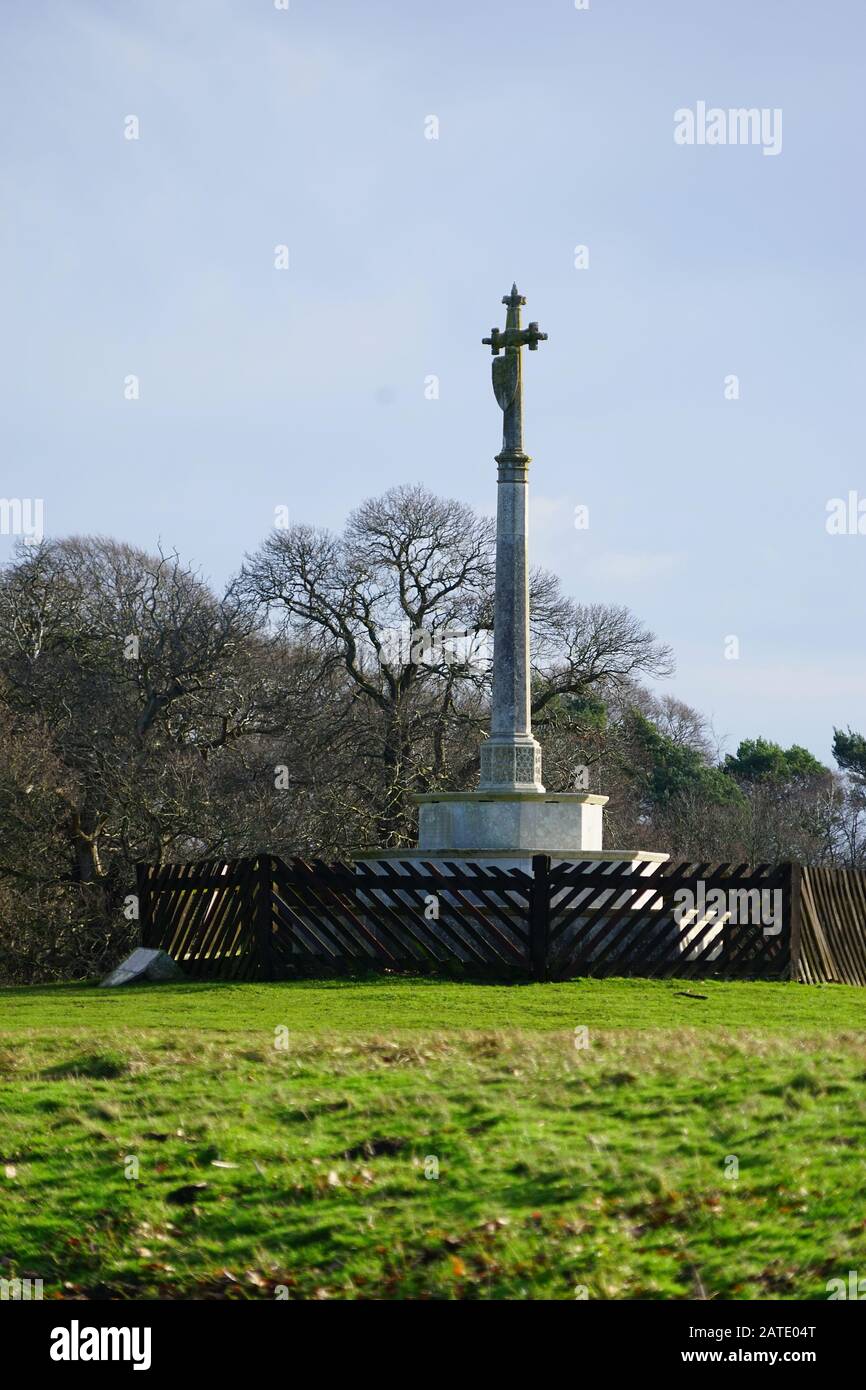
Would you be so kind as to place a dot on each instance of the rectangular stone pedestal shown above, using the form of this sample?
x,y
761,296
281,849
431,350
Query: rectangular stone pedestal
x,y
562,824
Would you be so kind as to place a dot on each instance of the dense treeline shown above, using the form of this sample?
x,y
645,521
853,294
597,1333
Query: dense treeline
x,y
145,717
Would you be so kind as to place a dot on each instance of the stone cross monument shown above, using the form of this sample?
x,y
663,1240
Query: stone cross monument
x,y
510,817
511,758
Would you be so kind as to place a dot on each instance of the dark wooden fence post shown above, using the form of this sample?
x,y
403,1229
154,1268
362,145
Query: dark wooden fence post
x,y
794,915
539,916
264,883
143,894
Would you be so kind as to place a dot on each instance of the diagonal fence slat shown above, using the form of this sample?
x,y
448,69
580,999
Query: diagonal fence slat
x,y
325,917
495,916
219,910
447,925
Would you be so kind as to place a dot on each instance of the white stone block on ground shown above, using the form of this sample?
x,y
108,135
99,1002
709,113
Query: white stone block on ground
x,y
144,964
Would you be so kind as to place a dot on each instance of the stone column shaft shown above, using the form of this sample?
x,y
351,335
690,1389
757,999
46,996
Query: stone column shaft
x,y
511,758
510,715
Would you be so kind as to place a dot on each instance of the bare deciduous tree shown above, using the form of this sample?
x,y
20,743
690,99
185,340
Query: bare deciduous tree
x,y
420,567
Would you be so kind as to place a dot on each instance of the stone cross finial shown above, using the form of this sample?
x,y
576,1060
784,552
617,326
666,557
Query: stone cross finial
x,y
514,336
508,373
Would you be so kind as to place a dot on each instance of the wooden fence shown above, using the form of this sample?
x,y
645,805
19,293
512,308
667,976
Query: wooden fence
x,y
833,934
213,918
265,918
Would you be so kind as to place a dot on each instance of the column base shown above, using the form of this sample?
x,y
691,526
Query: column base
x,y
511,764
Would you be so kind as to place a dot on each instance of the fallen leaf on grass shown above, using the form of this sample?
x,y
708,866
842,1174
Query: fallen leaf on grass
x,y
491,1227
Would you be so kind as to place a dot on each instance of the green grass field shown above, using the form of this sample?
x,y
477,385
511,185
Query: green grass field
x,y
605,1168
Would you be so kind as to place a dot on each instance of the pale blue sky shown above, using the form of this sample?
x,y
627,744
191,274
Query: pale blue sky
x,y
306,387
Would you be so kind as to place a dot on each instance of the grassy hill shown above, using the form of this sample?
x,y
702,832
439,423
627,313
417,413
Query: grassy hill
x,y
680,1147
